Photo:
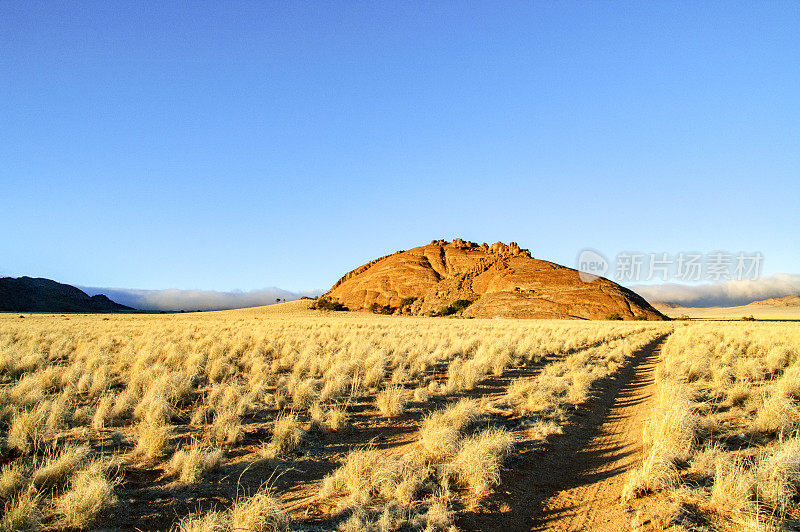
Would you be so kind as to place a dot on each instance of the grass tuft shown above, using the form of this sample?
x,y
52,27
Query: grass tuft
x,y
91,494
391,401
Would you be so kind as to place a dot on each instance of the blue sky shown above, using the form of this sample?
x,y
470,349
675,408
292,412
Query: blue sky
x,y
241,145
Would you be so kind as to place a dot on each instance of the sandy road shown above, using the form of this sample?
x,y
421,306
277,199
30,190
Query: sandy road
x,y
576,481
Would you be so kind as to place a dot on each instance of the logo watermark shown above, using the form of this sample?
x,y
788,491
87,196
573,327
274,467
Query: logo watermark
x,y
591,265
627,267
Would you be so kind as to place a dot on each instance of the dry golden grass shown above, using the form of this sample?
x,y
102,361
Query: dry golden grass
x,y
14,478
724,432
152,440
189,464
441,430
286,436
391,401
90,494
368,476
476,464
212,521
28,432
57,470
568,380
134,388
21,512
732,313
262,513
336,418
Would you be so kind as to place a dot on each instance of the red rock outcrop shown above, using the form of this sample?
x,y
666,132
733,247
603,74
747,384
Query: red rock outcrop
x,y
501,280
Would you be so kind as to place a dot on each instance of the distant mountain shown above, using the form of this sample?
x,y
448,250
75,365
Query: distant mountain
x,y
174,299
786,301
665,304
28,294
773,308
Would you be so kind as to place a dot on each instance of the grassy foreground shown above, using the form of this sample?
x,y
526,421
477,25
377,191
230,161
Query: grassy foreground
x,y
284,418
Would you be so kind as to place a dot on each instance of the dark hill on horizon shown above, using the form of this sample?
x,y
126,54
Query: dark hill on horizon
x,y
36,294
501,280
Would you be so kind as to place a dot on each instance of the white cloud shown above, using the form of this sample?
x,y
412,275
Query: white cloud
x,y
175,299
728,293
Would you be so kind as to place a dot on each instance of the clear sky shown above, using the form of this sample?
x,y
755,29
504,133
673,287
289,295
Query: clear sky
x,y
223,145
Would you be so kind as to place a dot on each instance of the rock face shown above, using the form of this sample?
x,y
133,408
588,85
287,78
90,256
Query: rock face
x,y
501,280
27,294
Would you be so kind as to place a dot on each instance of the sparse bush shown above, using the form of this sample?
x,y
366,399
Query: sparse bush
x,y
14,478
324,303
439,516
421,395
777,415
368,476
336,418
465,375
286,436
657,472
733,485
454,308
102,416
28,432
226,429
407,301
441,430
304,394
21,513
261,513
377,308
540,430
317,415
59,469
335,387
477,463
212,521
672,427
789,383
190,463
91,494
152,440
391,402
738,394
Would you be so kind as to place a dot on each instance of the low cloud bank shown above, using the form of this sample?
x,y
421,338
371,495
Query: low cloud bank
x,y
725,294
176,300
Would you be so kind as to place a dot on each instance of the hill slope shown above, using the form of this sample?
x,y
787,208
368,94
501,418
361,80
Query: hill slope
x,y
778,302
500,280
28,294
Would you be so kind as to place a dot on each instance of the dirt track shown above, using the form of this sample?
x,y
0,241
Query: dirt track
x,y
575,482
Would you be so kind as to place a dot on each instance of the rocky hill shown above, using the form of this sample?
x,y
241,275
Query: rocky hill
x,y
501,280
27,294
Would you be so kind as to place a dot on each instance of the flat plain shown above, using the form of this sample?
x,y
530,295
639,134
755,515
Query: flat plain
x,y
282,417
